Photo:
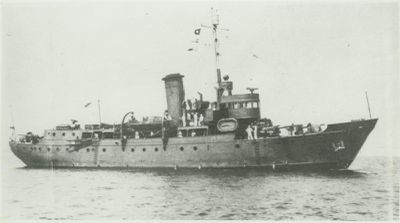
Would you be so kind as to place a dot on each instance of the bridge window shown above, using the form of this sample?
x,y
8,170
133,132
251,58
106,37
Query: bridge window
x,y
73,134
255,104
236,105
58,149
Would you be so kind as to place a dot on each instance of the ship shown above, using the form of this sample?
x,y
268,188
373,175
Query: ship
x,y
228,132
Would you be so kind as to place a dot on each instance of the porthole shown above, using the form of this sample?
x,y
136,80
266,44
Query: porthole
x,y
73,134
48,133
34,148
181,148
165,148
156,149
194,148
237,146
54,134
63,134
144,149
104,149
31,148
48,149
58,149
40,149
87,150
123,149
92,149
132,150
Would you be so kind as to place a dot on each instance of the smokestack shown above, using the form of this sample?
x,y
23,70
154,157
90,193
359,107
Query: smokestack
x,y
175,95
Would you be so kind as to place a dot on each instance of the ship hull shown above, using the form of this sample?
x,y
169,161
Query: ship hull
x,y
334,148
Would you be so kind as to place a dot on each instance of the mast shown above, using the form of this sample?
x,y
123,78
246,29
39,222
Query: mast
x,y
369,109
215,40
214,27
215,23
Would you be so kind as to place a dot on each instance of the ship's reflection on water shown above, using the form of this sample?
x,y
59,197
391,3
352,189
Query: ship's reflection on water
x,y
221,172
363,193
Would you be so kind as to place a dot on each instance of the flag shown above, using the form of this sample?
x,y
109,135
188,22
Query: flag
x,y
12,127
190,49
87,105
197,31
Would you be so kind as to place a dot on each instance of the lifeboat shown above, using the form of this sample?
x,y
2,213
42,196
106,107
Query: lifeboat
x,y
227,125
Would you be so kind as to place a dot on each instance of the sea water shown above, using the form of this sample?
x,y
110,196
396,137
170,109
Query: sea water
x,y
368,191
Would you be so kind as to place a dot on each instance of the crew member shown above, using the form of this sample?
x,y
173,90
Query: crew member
x,y
201,119
188,118
124,140
183,119
249,131
310,128
299,130
167,117
195,119
184,105
190,104
277,131
133,117
291,129
191,123
255,128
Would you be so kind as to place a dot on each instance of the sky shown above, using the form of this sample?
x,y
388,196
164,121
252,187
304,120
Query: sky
x,y
312,61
